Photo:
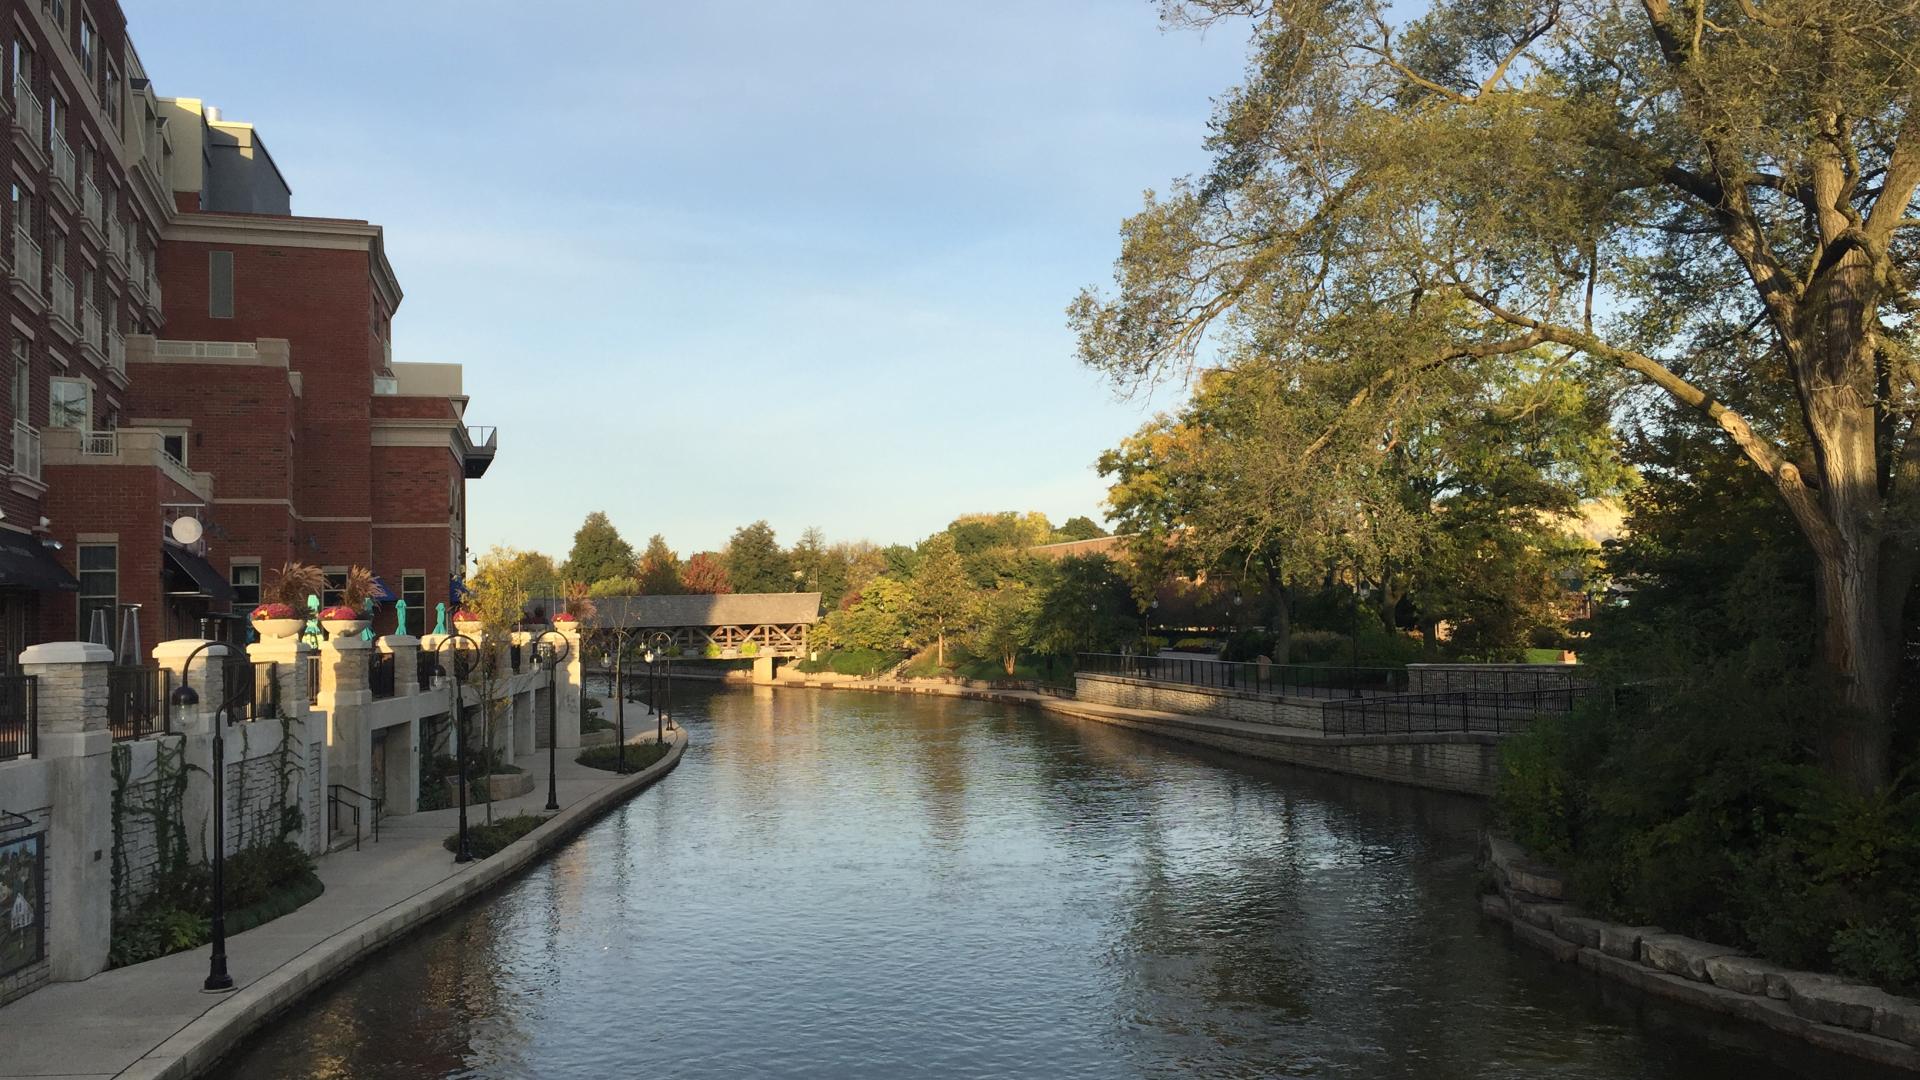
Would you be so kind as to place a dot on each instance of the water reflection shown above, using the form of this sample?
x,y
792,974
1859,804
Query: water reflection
x,y
869,886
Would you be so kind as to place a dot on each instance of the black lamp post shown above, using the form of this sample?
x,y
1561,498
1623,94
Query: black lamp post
x,y
185,696
464,849
616,658
657,645
553,710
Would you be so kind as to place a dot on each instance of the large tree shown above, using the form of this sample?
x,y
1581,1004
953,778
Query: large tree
x,y
598,551
942,595
1713,198
755,562
659,569
705,574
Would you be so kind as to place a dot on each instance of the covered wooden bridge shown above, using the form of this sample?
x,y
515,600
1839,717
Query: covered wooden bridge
x,y
759,626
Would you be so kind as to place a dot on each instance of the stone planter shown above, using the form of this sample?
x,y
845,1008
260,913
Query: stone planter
x,y
471,628
272,629
502,786
344,627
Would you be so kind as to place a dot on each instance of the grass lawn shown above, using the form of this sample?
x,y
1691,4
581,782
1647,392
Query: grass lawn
x,y
487,839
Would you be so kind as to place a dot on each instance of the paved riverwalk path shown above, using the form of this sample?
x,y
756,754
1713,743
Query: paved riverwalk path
x,y
152,1021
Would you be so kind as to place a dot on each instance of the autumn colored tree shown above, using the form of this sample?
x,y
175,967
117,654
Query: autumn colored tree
x,y
705,574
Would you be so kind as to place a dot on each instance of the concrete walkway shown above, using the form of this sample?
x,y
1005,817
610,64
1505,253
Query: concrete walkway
x,y
151,1020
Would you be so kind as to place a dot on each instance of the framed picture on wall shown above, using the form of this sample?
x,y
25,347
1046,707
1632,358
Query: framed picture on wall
x,y
23,904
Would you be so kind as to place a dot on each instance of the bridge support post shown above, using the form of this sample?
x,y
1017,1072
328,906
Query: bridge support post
x,y
763,671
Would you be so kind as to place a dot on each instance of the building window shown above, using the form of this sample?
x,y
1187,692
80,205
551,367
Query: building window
x,y
57,251
22,383
246,586
413,590
99,590
70,404
58,10
334,589
57,113
220,284
175,444
88,41
22,62
22,209
110,98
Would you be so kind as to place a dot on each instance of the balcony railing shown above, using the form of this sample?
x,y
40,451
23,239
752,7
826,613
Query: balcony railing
x,y
207,350
117,351
91,209
19,716
26,109
116,240
380,675
481,436
63,166
100,444
26,260
63,297
26,450
93,326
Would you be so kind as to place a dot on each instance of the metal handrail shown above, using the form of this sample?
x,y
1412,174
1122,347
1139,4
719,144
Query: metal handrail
x,y
19,716
1495,712
1278,680
334,802
138,702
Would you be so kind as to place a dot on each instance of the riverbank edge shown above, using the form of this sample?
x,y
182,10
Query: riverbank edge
x,y
202,1042
1530,899
1261,741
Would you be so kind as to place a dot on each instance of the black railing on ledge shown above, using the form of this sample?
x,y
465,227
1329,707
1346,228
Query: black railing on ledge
x,y
428,670
380,674
514,657
1492,712
313,679
137,701
19,716
1277,680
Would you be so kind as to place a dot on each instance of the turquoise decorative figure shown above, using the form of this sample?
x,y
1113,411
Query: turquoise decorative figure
x,y
400,617
440,624
367,634
312,632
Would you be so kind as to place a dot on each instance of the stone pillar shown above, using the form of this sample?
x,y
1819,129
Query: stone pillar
x,y
567,682
196,724
347,699
71,698
406,662
288,657
763,671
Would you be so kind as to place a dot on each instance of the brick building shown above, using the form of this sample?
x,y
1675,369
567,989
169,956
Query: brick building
x,y
186,347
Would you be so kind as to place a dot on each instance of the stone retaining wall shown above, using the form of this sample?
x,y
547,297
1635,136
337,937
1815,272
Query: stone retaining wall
x,y
1300,714
1504,678
1828,1011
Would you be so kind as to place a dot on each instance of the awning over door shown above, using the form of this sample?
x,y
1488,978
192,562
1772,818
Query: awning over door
x,y
190,575
25,563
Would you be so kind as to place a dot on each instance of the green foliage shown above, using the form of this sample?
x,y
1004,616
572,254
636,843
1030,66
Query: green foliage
x,y
711,651
598,551
1078,527
1084,605
878,618
749,648
262,882
639,755
485,840
624,585
755,563
864,663
942,595
1003,624
659,570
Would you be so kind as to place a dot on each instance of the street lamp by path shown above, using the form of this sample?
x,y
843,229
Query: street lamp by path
x,y
657,645
553,659
185,696
463,851
616,657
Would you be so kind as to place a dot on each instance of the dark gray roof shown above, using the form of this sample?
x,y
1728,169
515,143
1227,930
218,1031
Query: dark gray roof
x,y
731,609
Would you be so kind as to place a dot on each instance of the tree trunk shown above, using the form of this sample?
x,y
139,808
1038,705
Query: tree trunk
x,y
940,649
1429,637
1282,626
1858,645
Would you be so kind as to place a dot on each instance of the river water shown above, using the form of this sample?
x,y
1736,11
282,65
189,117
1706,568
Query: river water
x,y
874,886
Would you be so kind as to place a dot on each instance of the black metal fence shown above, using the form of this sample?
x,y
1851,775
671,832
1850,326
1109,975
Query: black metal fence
x,y
1486,711
137,701
380,674
428,670
514,657
19,716
313,679
1277,680
248,691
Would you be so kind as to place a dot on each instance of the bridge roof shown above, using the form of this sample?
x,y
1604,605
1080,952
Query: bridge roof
x,y
731,609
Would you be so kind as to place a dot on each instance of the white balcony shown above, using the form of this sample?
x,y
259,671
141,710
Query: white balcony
x,y
63,300
117,351
99,444
116,241
26,261
27,110
207,350
63,163
26,450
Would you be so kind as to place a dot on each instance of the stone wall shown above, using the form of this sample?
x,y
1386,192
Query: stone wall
x,y
1835,1013
1300,714
1466,762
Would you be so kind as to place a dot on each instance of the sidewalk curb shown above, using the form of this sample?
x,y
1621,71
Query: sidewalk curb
x,y
205,1039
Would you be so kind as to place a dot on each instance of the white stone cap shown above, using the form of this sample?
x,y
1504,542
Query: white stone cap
x,y
393,642
346,643
180,648
66,652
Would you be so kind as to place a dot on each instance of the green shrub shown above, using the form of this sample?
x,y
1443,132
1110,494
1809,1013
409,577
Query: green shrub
x,y
638,755
1196,644
262,883
1317,647
864,663
484,840
751,648
711,652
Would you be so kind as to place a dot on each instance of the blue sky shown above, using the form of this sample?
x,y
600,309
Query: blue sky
x,y
710,263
